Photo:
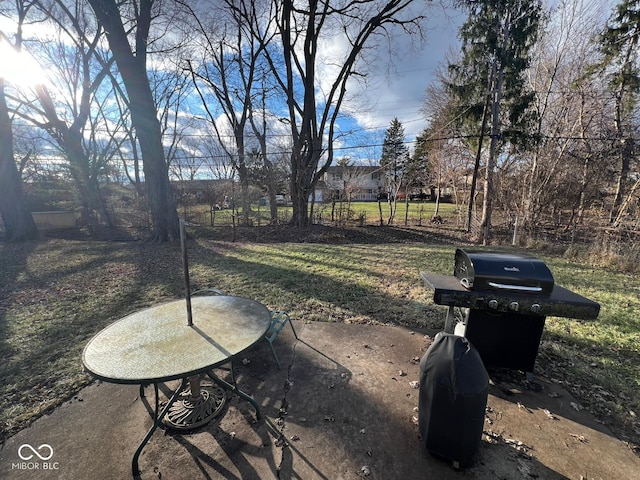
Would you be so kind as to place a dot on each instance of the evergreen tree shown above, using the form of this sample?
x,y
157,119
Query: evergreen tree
x,y
419,167
619,47
489,82
393,162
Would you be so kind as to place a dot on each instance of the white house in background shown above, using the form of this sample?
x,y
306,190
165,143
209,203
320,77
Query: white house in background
x,y
355,183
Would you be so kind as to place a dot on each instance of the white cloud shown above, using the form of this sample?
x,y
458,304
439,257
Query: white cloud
x,y
398,79
397,74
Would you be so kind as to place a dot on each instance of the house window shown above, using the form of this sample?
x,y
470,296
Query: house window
x,y
336,176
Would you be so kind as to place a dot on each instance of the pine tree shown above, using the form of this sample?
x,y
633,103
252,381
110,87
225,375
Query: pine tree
x,y
489,82
619,47
419,167
393,162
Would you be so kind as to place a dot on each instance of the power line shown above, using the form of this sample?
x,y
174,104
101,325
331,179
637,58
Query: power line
x,y
368,146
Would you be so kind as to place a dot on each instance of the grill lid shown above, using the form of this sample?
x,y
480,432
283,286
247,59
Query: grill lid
x,y
507,272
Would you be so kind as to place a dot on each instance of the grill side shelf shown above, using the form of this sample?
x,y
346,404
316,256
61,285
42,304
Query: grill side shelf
x,y
560,303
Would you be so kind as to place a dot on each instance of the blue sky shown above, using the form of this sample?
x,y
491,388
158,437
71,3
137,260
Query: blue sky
x,y
396,86
396,83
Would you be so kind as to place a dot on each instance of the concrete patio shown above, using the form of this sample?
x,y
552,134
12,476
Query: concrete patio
x,y
342,407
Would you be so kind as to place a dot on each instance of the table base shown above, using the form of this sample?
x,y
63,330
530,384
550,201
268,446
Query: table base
x,y
195,406
214,390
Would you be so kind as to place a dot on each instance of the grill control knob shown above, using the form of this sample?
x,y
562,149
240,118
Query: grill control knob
x,y
535,308
493,304
514,306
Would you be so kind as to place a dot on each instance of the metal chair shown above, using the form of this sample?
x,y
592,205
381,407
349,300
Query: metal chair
x,y
278,320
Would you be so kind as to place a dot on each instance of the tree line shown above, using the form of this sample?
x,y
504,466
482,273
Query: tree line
x,y
132,69
539,105
544,104
536,115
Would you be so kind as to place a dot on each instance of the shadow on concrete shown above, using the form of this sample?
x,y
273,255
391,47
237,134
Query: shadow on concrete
x,y
342,407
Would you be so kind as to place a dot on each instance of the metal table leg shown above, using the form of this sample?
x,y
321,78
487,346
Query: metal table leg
x,y
233,386
156,422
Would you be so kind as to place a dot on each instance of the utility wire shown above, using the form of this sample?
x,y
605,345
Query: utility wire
x,y
368,146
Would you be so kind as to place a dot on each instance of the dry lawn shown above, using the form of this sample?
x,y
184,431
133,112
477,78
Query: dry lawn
x,y
58,292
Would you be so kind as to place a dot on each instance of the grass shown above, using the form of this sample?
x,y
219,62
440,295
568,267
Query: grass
x,y
55,294
355,213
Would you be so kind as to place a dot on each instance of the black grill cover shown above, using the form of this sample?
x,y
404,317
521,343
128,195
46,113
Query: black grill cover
x,y
454,386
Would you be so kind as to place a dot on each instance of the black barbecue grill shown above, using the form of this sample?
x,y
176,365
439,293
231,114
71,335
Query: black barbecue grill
x,y
503,300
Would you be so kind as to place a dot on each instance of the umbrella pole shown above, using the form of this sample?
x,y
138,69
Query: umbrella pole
x,y
185,265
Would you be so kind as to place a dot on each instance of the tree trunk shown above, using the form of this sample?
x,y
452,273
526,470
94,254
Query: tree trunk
x,y
300,215
143,113
392,209
271,188
70,141
529,210
18,222
243,173
88,188
624,147
584,181
627,203
487,203
302,184
406,206
585,162
156,173
476,167
436,211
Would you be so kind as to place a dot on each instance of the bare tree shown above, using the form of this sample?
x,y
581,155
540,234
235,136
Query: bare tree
x,y
561,58
172,89
116,120
449,156
344,182
16,217
228,72
312,112
18,222
132,65
215,157
267,169
620,62
73,57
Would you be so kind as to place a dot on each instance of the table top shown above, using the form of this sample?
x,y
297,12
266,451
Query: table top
x,y
156,344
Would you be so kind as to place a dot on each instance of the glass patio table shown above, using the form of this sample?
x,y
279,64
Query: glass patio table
x,y
158,345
